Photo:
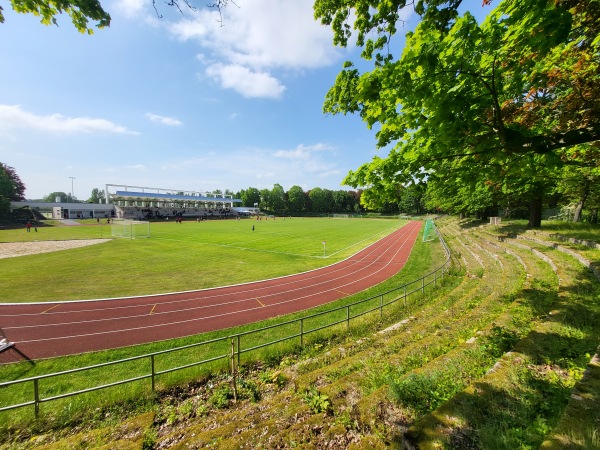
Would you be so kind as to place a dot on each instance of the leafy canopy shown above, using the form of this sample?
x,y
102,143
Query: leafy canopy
x,y
81,12
489,108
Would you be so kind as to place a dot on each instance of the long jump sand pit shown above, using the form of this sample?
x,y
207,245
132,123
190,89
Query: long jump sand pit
x,y
14,249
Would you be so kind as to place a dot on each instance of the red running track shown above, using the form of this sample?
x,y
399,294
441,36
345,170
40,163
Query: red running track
x,y
44,330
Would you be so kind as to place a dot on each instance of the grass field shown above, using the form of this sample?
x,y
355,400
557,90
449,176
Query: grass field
x,y
179,257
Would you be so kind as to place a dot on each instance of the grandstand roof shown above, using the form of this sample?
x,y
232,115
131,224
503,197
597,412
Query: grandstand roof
x,y
156,195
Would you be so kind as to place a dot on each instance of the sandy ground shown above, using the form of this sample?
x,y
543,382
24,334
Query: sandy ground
x,y
12,249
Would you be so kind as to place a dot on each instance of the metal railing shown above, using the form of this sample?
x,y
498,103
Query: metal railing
x,y
340,315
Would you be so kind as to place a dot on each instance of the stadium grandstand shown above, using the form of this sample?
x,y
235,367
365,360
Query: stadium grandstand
x,y
143,203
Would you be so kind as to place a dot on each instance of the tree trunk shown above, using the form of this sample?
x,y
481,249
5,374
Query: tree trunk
x,y
535,213
577,212
581,203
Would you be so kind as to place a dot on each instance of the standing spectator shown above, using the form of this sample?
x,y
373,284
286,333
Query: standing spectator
x,y
28,226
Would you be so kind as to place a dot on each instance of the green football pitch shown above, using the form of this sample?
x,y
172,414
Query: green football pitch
x,y
179,257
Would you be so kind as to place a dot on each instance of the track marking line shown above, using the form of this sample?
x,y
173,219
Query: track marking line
x,y
261,303
342,292
55,306
153,308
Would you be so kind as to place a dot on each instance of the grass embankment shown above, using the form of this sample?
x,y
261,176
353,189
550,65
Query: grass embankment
x,y
178,257
489,361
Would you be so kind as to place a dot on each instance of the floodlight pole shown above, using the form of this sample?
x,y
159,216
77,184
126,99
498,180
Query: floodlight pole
x,y
72,193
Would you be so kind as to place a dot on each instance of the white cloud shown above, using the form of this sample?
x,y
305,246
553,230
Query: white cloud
x,y
302,151
130,8
170,121
246,82
13,116
260,36
141,167
306,165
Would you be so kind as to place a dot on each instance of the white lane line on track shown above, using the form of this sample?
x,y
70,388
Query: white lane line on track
x,y
247,298
279,293
199,318
373,248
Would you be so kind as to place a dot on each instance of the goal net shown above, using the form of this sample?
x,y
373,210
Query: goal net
x,y
129,229
341,216
429,234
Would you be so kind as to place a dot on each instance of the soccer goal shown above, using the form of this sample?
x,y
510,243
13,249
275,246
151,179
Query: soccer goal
x,y
341,216
429,234
130,229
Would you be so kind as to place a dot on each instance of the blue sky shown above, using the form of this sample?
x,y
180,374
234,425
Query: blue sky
x,y
179,102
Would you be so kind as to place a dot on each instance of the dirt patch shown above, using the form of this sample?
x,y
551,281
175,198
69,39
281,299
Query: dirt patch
x,y
13,249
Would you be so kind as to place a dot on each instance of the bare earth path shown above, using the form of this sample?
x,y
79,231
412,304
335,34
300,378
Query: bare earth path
x,y
44,330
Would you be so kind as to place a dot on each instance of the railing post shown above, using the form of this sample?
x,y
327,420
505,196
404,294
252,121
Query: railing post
x,y
381,306
36,397
435,278
301,333
423,285
234,369
153,372
404,295
238,349
348,317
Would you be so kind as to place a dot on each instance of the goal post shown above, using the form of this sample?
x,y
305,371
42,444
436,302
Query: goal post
x,y
130,229
429,234
341,216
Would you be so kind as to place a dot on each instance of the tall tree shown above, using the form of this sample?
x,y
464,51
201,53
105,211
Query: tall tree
x,y
342,201
498,98
411,199
277,198
296,199
97,196
11,186
265,199
320,200
11,189
578,185
250,197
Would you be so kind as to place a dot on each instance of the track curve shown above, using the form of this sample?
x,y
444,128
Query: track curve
x,y
44,330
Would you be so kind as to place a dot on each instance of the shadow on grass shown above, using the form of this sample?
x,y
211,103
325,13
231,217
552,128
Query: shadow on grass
x,y
14,355
519,404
